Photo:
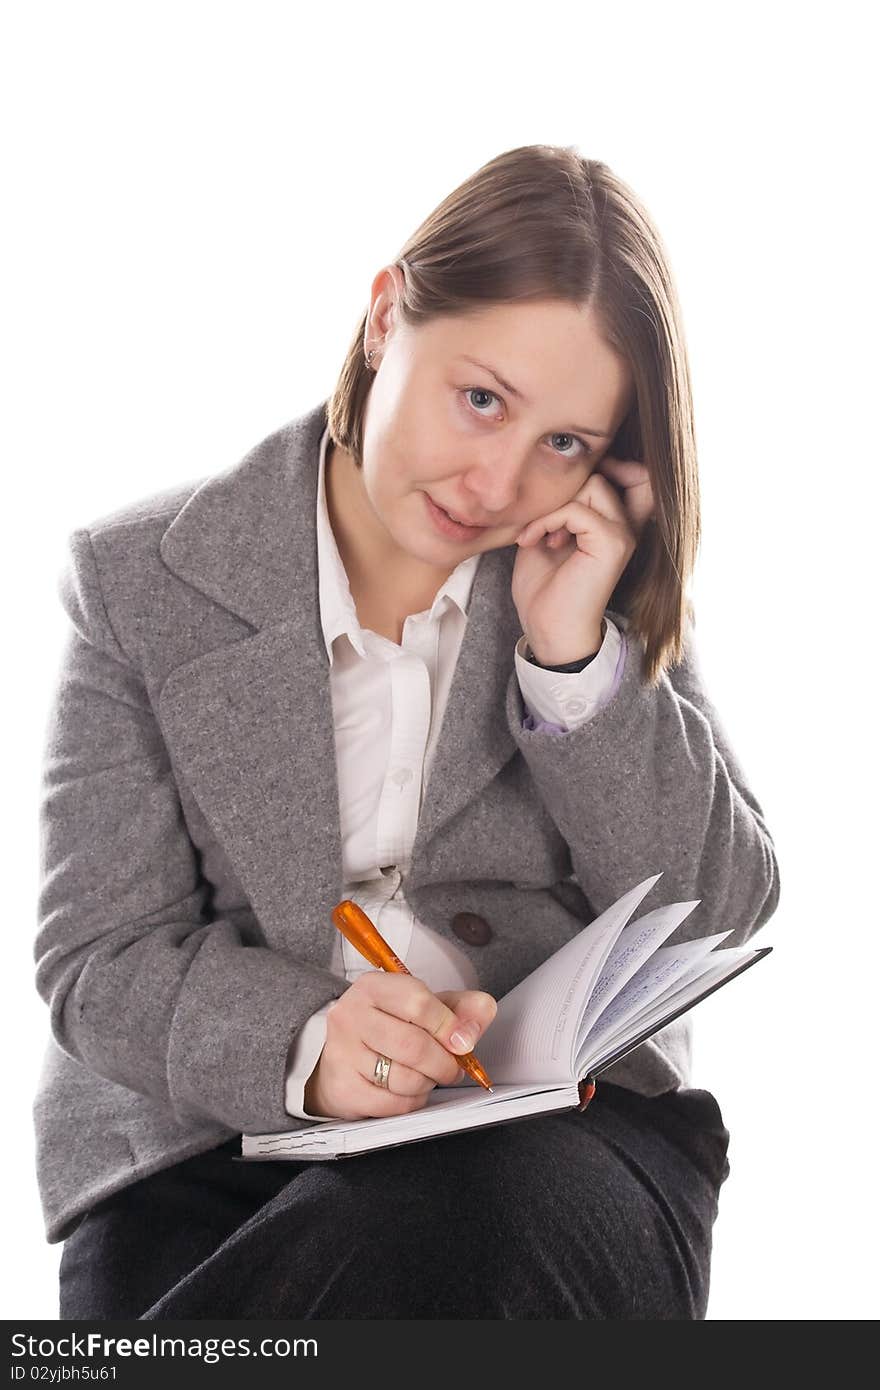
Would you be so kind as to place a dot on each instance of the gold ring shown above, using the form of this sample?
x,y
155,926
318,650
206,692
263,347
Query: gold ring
x,y
381,1070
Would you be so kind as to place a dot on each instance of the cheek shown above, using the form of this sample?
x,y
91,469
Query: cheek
x,y
421,462
392,457
417,437
404,471
550,495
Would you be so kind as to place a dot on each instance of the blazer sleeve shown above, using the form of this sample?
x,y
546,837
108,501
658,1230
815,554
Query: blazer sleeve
x,y
146,987
649,784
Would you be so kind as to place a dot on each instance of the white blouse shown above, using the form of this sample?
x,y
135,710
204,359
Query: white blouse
x,y
388,703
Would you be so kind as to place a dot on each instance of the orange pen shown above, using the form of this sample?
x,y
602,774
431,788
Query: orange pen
x,y
357,928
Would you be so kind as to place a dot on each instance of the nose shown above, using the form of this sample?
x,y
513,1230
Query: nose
x,y
494,480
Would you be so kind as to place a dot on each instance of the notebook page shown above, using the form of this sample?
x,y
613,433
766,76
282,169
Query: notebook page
x,y
635,944
535,1100
690,987
650,981
532,1038
696,972
447,1109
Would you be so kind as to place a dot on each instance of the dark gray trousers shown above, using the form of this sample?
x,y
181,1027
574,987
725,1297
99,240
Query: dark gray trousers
x,y
605,1213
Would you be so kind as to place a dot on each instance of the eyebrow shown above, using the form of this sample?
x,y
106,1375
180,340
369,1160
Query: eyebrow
x,y
598,434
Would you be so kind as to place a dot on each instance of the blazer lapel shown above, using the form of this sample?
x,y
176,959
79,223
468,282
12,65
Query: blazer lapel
x,y
475,741
250,723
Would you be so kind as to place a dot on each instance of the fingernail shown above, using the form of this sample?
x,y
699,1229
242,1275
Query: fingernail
x,y
463,1039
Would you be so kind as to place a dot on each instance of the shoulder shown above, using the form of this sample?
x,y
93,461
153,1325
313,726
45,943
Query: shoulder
x,y
200,558
112,581
155,508
125,541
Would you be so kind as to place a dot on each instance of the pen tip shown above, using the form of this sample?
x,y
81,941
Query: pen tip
x,y
490,1090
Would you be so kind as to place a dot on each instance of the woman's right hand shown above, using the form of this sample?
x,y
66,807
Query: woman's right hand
x,y
396,1015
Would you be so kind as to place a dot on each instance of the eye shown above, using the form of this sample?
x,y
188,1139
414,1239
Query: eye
x,y
471,391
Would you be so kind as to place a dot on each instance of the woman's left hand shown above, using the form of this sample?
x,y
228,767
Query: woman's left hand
x,y
562,587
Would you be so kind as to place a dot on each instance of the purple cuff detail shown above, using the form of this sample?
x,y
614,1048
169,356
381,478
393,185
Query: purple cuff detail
x,y
542,726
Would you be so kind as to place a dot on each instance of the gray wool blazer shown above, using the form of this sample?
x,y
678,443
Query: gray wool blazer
x,y
190,841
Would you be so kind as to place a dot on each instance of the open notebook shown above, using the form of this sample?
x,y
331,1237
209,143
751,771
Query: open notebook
x,y
599,996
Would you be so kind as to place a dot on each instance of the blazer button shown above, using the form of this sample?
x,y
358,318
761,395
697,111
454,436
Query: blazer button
x,y
472,928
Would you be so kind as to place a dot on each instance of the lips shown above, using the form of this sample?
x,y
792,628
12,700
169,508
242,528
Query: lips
x,y
462,520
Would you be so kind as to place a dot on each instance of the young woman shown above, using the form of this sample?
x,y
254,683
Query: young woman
x,y
427,646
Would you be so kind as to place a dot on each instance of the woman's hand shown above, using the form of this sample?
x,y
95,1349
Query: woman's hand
x,y
398,1016
562,587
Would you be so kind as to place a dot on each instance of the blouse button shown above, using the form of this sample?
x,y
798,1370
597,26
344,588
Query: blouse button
x,y
472,928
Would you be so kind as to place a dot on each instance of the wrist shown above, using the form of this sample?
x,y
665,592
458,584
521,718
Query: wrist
x,y
550,658
312,1100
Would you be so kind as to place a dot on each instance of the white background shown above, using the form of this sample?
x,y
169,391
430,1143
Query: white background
x,y
198,197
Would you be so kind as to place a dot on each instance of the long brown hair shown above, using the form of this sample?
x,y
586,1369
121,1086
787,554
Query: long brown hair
x,y
542,222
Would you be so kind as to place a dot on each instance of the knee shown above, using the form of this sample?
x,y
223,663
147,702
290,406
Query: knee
x,y
416,1234
502,1228
531,1232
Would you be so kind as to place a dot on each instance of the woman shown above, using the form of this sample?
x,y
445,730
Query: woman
x,y
300,680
